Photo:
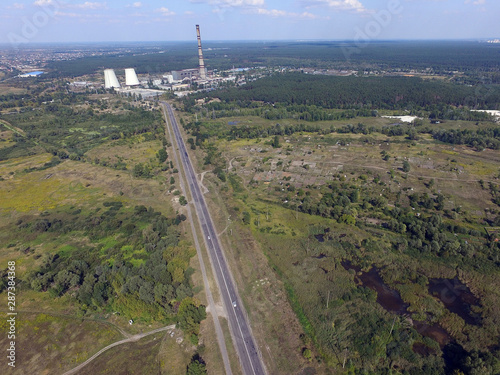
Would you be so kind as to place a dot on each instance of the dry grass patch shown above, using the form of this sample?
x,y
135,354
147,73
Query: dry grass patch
x,y
262,293
53,344
130,151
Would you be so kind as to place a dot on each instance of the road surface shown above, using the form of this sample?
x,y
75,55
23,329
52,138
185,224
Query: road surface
x,y
215,317
244,342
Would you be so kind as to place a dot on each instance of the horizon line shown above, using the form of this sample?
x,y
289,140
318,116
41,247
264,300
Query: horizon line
x,y
300,40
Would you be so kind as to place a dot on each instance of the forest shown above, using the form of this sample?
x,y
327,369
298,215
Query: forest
x,y
479,61
372,93
139,273
68,130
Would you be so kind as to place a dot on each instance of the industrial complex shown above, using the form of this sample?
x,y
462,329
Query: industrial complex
x,y
179,81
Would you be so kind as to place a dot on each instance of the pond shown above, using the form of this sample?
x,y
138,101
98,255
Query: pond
x,y
320,237
456,297
391,301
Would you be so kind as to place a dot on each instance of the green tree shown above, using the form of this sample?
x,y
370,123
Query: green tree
x,y
182,200
406,166
306,353
196,367
190,316
246,218
162,155
276,142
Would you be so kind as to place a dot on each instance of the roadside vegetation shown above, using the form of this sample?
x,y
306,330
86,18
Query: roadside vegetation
x,y
371,224
88,213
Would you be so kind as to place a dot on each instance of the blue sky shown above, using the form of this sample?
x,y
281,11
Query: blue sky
x,y
173,20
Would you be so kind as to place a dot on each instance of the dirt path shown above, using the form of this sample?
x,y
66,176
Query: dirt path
x,y
18,131
13,128
202,176
130,339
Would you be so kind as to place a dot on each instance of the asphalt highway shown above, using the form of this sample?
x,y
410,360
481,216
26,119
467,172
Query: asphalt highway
x,y
244,342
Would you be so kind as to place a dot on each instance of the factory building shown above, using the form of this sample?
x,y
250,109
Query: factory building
x,y
169,78
180,75
192,74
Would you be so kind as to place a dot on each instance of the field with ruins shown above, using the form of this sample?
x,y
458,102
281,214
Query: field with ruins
x,y
382,236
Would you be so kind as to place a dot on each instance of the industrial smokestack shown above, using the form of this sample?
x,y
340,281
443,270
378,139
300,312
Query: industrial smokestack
x,y
203,74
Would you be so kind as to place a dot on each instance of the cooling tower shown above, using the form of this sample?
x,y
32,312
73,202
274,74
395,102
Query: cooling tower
x,y
203,74
110,79
131,78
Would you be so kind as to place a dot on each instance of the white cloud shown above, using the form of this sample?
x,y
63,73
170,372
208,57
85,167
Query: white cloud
x,y
66,14
84,17
272,12
166,12
353,5
135,5
476,2
42,3
86,5
283,13
89,5
232,3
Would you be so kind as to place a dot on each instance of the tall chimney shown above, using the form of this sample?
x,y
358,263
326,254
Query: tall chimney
x,y
200,54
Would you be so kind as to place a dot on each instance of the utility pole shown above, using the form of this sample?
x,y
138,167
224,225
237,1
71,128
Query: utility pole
x,y
394,321
328,300
345,357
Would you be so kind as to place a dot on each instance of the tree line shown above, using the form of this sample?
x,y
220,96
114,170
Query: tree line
x,y
143,273
358,92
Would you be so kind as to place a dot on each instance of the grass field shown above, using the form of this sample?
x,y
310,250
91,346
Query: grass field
x,y
376,122
129,152
5,89
59,338
308,274
160,353
273,322
49,344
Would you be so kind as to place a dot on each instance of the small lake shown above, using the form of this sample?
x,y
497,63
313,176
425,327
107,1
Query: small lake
x,y
456,297
391,301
